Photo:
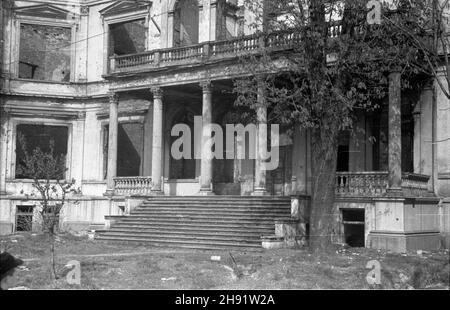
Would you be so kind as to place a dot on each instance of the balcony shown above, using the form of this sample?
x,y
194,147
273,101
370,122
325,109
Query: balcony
x,y
375,184
209,52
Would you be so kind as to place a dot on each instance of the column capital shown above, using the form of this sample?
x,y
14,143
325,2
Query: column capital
x,y
84,10
206,86
113,97
157,92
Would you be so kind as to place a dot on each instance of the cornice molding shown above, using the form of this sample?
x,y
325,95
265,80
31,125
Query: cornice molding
x,y
45,11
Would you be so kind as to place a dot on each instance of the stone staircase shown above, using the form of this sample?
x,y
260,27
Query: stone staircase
x,y
207,222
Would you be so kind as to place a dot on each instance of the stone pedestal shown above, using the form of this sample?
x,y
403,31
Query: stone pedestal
x,y
405,225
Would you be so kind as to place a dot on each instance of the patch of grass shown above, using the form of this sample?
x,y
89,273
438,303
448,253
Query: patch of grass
x,y
285,269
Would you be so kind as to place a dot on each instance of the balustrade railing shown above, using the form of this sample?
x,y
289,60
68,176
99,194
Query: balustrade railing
x,y
181,53
375,184
275,41
361,184
235,46
128,186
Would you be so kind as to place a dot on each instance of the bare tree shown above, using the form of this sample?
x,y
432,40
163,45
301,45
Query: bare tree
x,y
47,169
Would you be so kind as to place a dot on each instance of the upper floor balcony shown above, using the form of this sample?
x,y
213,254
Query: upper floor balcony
x,y
208,52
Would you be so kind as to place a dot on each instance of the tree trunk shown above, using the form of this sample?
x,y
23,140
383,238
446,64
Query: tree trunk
x,y
53,255
324,159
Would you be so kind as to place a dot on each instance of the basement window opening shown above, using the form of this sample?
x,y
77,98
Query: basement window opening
x,y
353,221
24,218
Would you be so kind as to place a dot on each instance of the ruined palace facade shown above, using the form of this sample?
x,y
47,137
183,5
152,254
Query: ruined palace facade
x,y
107,81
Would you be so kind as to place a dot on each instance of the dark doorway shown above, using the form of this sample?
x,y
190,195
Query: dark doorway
x,y
354,227
343,158
184,168
130,147
276,179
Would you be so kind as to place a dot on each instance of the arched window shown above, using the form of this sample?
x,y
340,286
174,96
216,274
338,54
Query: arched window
x,y
186,23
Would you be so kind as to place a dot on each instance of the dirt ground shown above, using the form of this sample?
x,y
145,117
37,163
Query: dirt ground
x,y
127,266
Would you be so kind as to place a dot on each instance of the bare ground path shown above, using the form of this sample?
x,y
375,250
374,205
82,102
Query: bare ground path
x,y
129,266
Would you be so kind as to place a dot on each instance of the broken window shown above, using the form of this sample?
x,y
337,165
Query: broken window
x,y
186,23
39,136
24,218
127,37
44,53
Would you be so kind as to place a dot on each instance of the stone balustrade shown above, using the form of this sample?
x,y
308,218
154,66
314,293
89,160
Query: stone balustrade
x,y
361,184
375,184
129,186
348,184
203,52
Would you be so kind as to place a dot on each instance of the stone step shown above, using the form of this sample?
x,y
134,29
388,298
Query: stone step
x,y
192,230
211,214
180,236
192,222
236,211
206,226
231,204
186,244
204,219
220,198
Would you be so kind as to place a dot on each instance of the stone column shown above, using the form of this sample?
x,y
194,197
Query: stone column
x,y
113,130
4,134
157,143
261,143
395,133
206,161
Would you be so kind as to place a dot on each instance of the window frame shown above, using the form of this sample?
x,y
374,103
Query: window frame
x,y
51,23
17,122
107,21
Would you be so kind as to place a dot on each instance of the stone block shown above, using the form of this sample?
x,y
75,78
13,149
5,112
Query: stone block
x,y
272,242
404,242
6,228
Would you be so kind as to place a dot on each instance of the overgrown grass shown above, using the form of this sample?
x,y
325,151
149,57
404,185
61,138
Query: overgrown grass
x,y
170,269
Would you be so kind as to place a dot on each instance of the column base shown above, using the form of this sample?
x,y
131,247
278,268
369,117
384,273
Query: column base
x,y
206,192
156,193
260,192
109,193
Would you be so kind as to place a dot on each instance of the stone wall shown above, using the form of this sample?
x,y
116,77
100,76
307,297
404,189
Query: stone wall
x,y
444,213
442,116
79,213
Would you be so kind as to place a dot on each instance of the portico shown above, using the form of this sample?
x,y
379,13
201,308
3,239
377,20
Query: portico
x,y
210,102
